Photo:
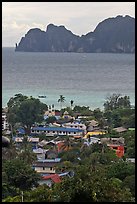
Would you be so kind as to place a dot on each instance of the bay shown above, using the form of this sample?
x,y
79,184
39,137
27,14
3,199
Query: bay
x,y
85,78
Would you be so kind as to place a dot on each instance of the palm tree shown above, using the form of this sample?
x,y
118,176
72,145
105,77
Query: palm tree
x,y
67,144
61,100
71,103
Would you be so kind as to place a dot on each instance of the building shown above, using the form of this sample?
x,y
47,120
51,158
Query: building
x,y
33,140
92,140
45,153
94,133
5,125
67,116
93,125
52,112
76,125
118,148
53,131
116,144
50,179
120,129
46,166
113,140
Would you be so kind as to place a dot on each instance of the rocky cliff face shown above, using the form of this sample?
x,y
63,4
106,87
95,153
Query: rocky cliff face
x,y
116,35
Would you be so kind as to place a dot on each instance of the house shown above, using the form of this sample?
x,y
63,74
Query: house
x,y
118,148
50,112
45,153
94,133
77,137
18,139
5,125
113,140
56,131
92,125
75,124
92,140
50,179
67,116
34,141
116,144
46,166
42,143
130,160
20,131
120,129
52,154
41,153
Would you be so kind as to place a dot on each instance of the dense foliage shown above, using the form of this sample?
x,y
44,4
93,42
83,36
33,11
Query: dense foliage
x,y
26,110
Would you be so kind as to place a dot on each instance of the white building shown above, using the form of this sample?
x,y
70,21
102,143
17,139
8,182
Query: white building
x,y
76,125
5,125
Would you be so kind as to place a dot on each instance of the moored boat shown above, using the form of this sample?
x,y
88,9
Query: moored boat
x,y
42,96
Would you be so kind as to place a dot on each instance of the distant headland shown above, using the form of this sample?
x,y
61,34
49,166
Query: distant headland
x,y
112,35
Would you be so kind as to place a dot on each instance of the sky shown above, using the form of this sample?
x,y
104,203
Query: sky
x,y
78,17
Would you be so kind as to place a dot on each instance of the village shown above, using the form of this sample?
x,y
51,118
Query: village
x,y
59,142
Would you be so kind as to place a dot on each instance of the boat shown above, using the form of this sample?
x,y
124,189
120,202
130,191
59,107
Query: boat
x,y
42,96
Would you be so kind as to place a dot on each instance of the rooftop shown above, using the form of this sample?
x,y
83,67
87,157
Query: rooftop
x,y
62,129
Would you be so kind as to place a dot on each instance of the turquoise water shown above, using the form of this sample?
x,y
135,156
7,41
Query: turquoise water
x,y
85,78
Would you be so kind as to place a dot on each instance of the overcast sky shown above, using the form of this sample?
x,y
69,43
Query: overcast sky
x,y
79,17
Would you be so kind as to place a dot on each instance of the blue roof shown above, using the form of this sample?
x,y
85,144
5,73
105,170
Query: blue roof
x,y
21,131
62,129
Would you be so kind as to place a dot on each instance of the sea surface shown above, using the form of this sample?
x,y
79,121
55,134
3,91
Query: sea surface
x,y
86,78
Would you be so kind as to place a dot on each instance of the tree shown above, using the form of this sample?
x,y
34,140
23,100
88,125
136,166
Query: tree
x,y
40,194
89,186
83,110
20,174
9,153
71,103
115,101
121,170
68,109
129,182
26,153
26,110
16,100
67,144
98,114
61,100
124,102
51,119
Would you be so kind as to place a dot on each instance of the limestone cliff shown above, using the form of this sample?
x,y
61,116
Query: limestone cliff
x,y
115,35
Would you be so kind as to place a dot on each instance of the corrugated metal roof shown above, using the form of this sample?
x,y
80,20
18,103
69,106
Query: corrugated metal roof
x,y
120,129
45,164
55,178
62,129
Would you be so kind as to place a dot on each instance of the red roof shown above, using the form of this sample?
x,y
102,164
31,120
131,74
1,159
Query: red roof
x,y
119,149
57,113
54,177
77,136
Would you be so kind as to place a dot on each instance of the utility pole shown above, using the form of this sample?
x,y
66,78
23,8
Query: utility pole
x,y
21,196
